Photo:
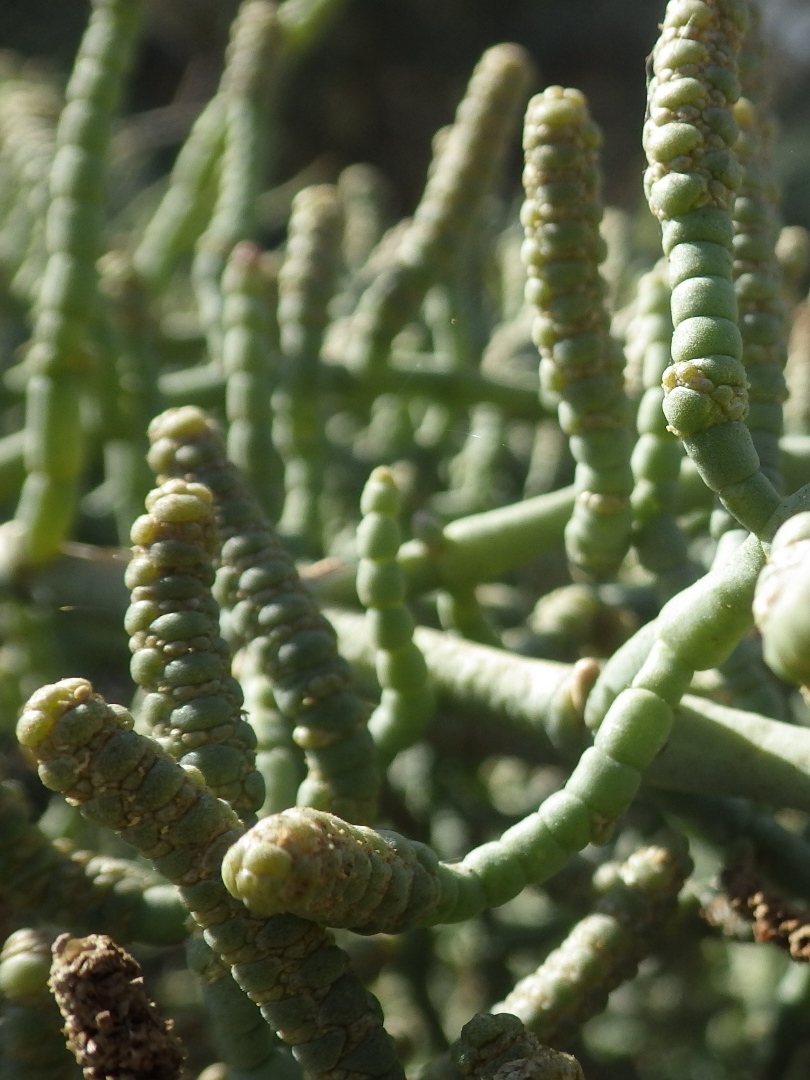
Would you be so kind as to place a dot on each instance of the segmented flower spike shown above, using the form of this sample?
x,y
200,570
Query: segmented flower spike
x,y
292,641
250,359
291,968
605,948
186,206
580,362
657,455
782,602
32,1046
691,184
59,359
79,890
460,177
306,283
250,69
406,706
191,704
758,280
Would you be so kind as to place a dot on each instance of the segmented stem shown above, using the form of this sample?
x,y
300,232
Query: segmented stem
x,y
292,641
291,968
406,706
306,283
191,704
250,360
657,455
246,84
691,183
758,279
579,360
782,602
32,1046
495,1046
78,889
464,170
59,358
187,203
605,948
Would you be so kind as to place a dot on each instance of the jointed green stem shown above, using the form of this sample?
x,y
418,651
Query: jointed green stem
x,y
82,891
191,702
290,967
579,360
407,698
267,604
246,85
59,358
250,360
691,184
463,172
307,281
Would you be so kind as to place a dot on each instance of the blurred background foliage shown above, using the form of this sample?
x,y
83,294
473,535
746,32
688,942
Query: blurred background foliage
x,y
391,72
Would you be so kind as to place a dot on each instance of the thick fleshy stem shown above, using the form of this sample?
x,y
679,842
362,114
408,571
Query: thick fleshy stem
x,y
291,968
407,703
580,362
366,195
464,171
696,630
278,759
188,201
605,948
243,1040
292,641
59,357
250,361
129,390
191,703
767,759
691,183
32,1046
758,280
248,81
306,284
657,455
111,1025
